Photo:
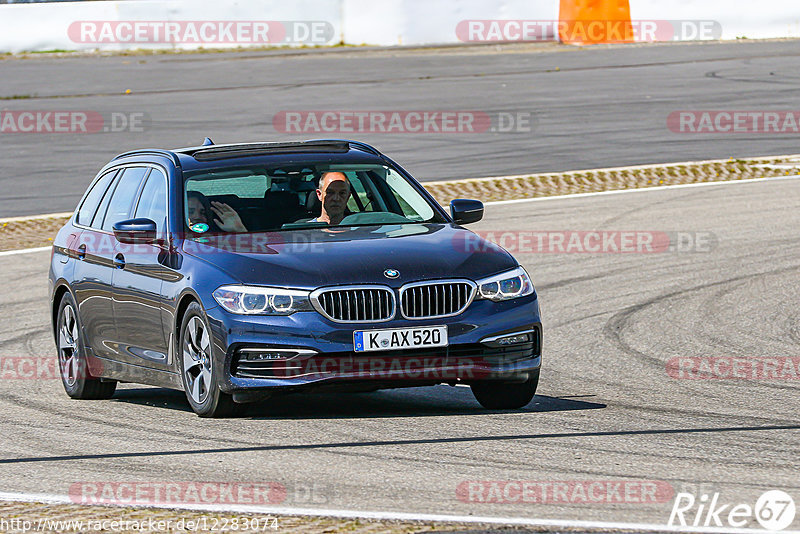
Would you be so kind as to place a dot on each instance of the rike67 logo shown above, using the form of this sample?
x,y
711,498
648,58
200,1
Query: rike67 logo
x,y
773,510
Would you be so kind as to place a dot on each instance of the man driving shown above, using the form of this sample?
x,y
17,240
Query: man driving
x,y
333,192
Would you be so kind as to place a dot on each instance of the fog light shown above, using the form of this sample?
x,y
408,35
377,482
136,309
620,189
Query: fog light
x,y
513,340
266,355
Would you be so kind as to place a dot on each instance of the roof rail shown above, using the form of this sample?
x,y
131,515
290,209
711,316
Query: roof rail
x,y
151,152
213,152
257,149
358,144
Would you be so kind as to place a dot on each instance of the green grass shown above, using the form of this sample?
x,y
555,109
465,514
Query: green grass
x,y
53,51
165,51
17,97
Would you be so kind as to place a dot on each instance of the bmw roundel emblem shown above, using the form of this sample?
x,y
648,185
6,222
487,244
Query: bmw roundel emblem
x,y
391,273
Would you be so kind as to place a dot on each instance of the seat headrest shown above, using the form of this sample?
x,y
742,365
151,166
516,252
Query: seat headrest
x,y
281,199
313,205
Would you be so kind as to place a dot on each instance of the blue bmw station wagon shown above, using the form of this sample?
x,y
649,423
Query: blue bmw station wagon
x,y
240,272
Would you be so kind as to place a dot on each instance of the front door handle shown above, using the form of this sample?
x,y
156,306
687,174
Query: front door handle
x,y
119,261
81,251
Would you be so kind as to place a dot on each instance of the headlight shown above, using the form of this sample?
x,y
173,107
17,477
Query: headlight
x,y
505,286
254,300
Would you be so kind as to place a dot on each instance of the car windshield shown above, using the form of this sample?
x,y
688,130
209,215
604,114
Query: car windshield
x,y
259,199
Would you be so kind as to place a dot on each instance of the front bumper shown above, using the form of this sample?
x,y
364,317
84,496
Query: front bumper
x,y
325,357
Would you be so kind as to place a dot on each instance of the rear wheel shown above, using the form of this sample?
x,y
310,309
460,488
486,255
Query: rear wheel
x,y
75,375
200,375
505,395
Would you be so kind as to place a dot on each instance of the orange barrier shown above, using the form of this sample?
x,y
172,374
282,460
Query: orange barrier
x,y
595,21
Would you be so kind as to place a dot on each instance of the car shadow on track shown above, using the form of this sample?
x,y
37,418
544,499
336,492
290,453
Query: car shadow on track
x,y
421,402
388,404
151,396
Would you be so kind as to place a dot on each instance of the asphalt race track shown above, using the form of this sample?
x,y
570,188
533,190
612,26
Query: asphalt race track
x,y
607,410
590,107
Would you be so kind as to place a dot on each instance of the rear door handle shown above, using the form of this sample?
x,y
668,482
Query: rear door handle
x,y
119,261
81,251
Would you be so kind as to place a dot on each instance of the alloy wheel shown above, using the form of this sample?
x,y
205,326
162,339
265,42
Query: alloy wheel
x,y
197,360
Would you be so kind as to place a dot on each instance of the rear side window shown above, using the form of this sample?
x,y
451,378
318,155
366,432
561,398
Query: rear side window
x,y
243,183
153,201
89,206
119,208
97,222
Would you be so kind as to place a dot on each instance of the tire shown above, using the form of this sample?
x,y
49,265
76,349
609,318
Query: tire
x,y
504,395
72,364
199,372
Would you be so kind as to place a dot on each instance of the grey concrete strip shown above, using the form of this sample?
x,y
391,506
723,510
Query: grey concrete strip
x,y
598,107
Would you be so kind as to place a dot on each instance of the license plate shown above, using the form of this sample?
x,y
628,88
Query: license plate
x,y
400,338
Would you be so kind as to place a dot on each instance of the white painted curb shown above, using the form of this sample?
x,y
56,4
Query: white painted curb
x,y
604,526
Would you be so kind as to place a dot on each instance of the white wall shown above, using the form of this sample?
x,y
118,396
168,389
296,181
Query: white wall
x,y
414,22
30,27
44,26
754,19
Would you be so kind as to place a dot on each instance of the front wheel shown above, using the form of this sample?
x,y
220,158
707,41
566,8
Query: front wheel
x,y
199,373
75,375
504,395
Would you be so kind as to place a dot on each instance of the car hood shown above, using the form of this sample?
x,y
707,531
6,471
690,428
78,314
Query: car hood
x,y
352,255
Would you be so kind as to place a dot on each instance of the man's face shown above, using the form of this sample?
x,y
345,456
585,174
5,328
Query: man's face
x,y
196,211
335,195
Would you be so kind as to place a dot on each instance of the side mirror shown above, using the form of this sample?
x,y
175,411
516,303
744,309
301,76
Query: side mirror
x,y
135,231
464,211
